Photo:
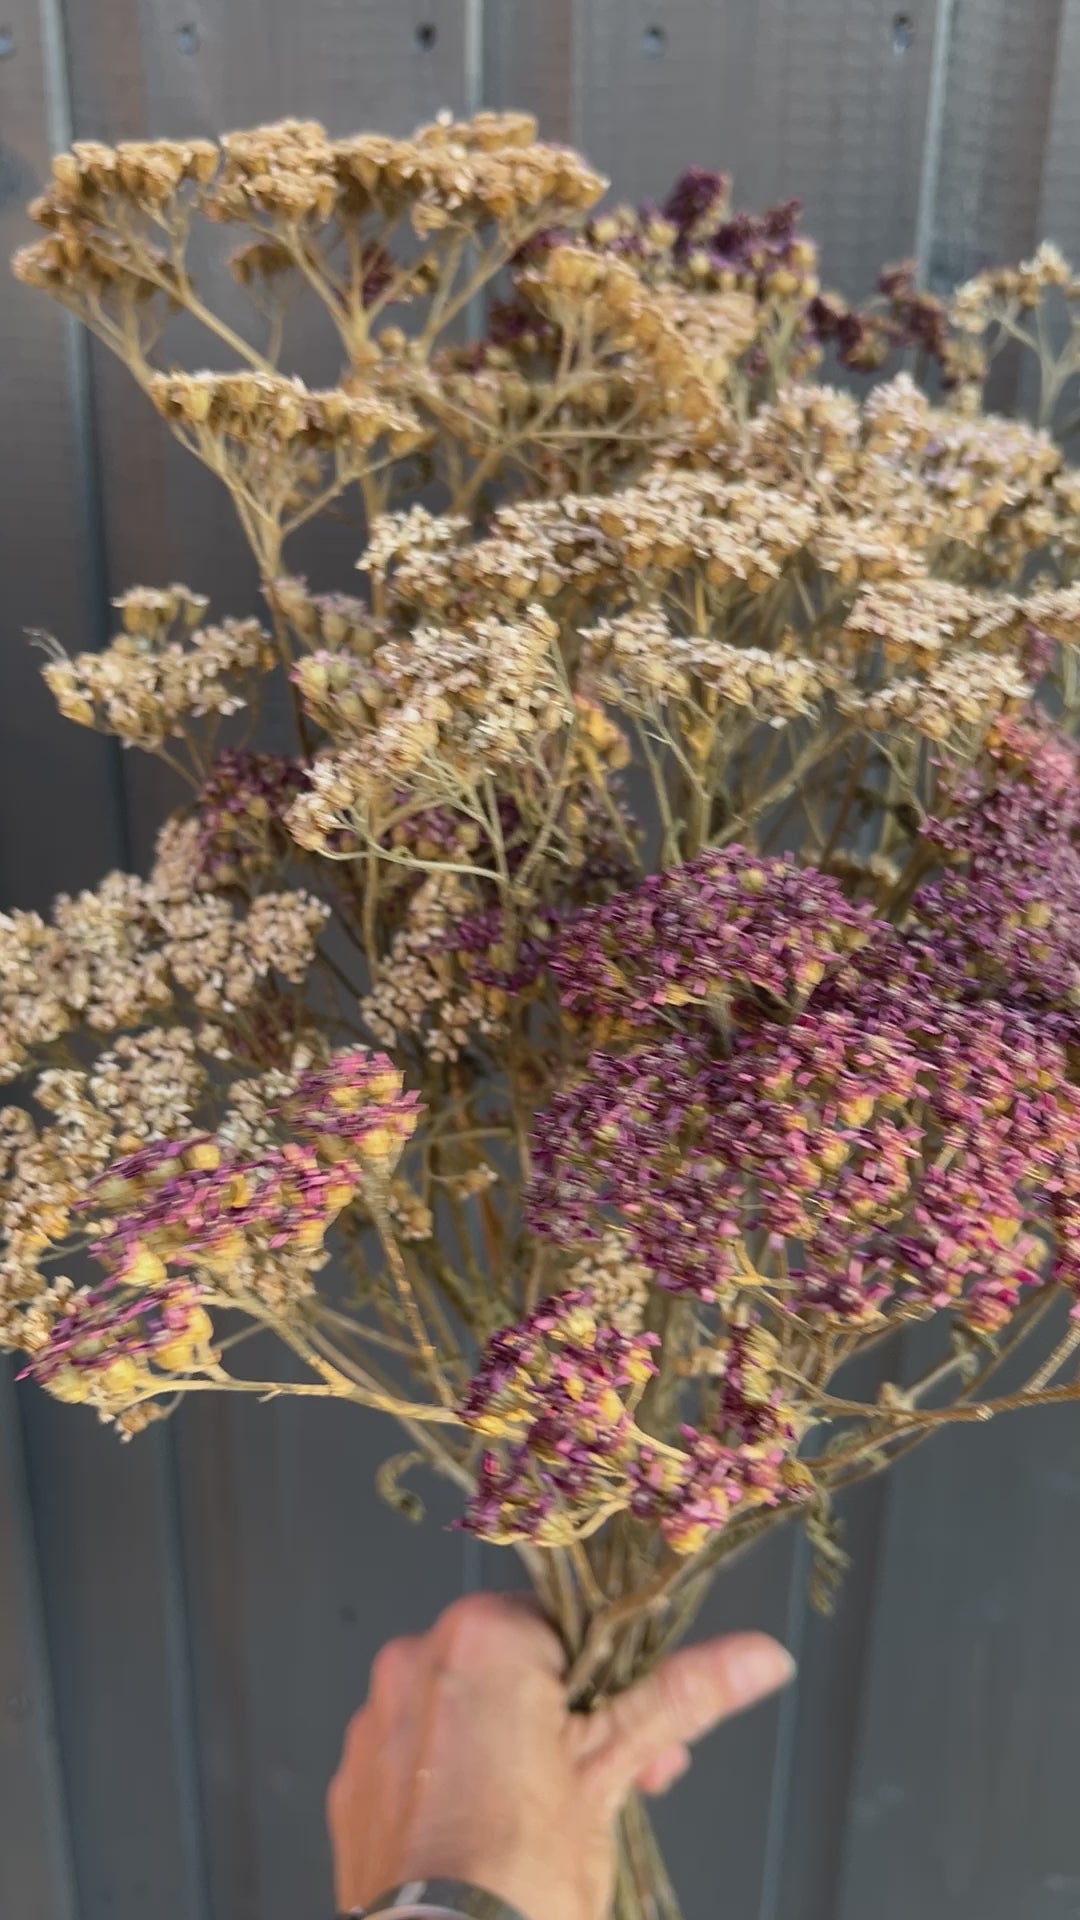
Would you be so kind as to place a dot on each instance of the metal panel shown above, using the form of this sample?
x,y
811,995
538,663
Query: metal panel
x,y
297,1575
48,561
1059,207
824,99
964,1798
36,1880
531,62
1001,66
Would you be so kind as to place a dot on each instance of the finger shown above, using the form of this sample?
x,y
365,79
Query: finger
x,y
692,1692
489,1632
395,1671
662,1773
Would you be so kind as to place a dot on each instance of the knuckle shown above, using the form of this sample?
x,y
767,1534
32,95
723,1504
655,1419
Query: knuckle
x,y
467,1626
391,1669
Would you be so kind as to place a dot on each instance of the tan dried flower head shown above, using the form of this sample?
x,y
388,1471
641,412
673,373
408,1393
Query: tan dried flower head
x,y
159,674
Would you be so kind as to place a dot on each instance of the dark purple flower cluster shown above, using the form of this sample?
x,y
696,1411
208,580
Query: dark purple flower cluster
x,y
697,204
241,812
725,934
559,1389
1004,918
844,1130
748,1458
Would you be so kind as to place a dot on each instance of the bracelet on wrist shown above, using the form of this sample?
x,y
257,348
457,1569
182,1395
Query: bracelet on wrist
x,y
438,1900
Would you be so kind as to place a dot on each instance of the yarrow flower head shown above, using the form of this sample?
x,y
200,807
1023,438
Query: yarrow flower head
x,y
355,1111
559,1388
720,935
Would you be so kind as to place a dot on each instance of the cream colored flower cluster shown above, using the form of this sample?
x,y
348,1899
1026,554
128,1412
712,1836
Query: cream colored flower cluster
x,y
955,701
159,673
454,706
121,953
421,992
638,658
616,1283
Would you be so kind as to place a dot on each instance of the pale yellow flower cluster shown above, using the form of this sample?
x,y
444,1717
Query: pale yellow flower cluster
x,y
639,655
118,954
237,412
440,710
421,990
618,1284
490,168
953,701
979,302
158,674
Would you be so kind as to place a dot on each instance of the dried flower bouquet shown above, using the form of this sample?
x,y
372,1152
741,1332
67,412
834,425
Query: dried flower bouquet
x,y
649,977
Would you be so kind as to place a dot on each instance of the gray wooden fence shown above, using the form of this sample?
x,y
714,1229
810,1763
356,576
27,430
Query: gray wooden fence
x,y
185,1623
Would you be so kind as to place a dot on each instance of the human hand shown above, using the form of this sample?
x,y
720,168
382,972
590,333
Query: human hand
x,y
467,1764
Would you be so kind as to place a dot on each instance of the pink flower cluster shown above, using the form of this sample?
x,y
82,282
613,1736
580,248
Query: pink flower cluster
x,y
183,1220
558,1388
354,1110
188,1204
241,813
747,1460
786,1082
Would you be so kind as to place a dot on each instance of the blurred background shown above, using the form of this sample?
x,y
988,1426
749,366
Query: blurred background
x,y
186,1623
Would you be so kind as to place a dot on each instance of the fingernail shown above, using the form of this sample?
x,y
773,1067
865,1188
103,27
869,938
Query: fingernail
x,y
759,1667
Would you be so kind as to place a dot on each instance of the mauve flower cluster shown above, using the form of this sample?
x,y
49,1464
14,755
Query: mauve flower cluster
x,y
193,1219
746,1459
241,813
559,1392
109,1350
1004,917
726,928
559,1388
819,1118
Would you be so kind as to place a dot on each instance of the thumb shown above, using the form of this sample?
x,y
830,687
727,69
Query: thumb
x,y
688,1695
